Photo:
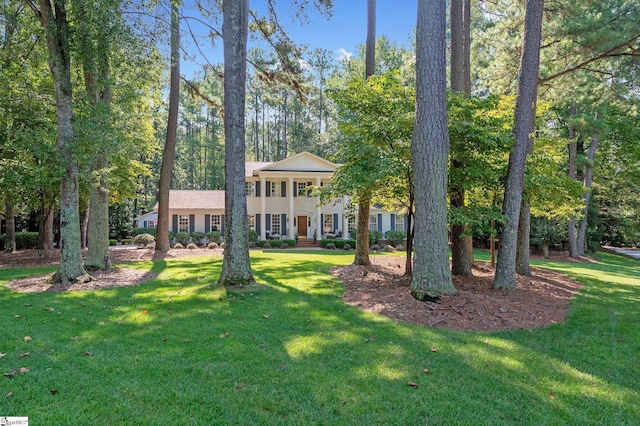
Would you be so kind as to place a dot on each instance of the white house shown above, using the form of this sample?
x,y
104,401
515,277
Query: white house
x,y
279,204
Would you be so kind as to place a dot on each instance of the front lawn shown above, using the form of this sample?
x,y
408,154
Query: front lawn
x,y
176,351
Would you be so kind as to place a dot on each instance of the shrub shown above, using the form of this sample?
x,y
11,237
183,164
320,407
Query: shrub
x,y
330,246
395,238
113,242
198,237
127,241
347,246
352,233
252,244
178,246
285,245
374,247
214,236
144,239
375,237
276,243
290,243
352,243
261,243
339,243
137,231
253,235
212,245
267,244
324,243
192,246
182,238
26,240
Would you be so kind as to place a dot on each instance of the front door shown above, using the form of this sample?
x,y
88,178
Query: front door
x,y
302,226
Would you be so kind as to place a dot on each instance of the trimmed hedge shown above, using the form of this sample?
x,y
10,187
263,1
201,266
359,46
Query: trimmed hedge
x,y
24,240
338,243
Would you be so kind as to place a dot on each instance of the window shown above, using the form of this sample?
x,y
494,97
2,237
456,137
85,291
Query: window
x,y
303,189
252,222
352,222
328,223
399,222
216,222
275,189
251,189
275,224
373,222
183,223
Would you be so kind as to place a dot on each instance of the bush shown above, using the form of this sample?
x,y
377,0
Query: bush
x,y
261,243
324,243
375,237
253,235
374,247
113,242
198,237
182,238
26,240
127,241
352,233
214,236
178,246
347,246
267,244
137,231
285,245
395,238
276,243
330,246
144,239
339,243
290,243
212,245
192,246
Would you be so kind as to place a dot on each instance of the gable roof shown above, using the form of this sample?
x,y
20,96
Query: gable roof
x,y
190,199
302,162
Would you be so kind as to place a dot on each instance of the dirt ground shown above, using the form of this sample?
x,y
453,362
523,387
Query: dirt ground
x,y
540,300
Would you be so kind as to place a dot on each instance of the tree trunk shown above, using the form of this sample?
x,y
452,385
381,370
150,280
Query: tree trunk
x,y
364,197
523,245
236,264
57,34
545,250
10,218
98,226
588,178
573,155
169,153
524,124
430,151
362,229
45,229
84,224
460,262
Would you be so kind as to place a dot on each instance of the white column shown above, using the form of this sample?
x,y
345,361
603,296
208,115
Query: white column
x,y
263,208
318,214
345,219
291,211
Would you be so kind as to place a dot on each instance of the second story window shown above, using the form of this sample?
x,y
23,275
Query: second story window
x,y
251,189
275,189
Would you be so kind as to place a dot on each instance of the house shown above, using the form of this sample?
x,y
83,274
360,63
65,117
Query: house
x,y
279,204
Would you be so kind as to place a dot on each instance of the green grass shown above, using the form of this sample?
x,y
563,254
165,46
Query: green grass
x,y
296,355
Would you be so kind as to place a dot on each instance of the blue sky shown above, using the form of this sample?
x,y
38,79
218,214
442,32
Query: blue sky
x,y
341,34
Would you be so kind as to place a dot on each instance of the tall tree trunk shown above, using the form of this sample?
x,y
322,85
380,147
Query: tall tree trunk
x,y
169,153
236,264
524,124
10,218
364,197
84,224
573,156
98,223
588,178
461,259
522,247
57,34
45,228
430,151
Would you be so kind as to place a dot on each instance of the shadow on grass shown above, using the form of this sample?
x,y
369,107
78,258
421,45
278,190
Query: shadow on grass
x,y
293,353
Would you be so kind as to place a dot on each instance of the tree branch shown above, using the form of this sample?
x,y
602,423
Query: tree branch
x,y
609,53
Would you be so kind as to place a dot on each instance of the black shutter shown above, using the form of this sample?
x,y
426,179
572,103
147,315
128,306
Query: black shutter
x,y
335,222
267,190
321,230
144,223
283,189
222,224
393,222
174,223
379,222
295,189
207,223
192,223
267,226
258,226
283,224
258,185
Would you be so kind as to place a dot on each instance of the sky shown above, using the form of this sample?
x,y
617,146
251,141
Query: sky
x,y
341,34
